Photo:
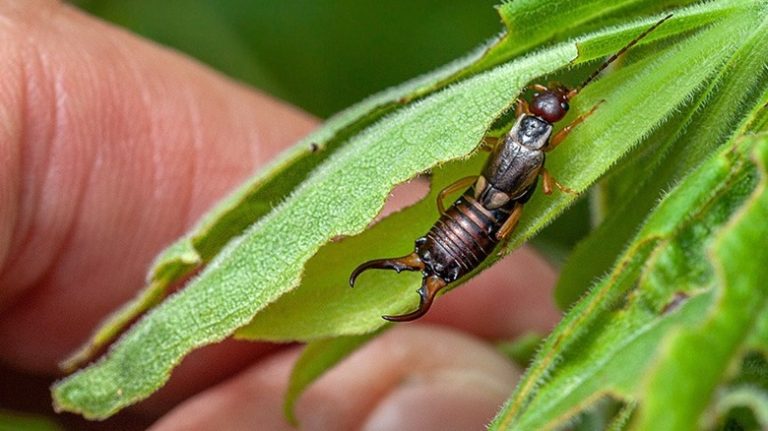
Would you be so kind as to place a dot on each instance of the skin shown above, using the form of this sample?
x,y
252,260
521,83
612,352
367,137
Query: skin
x,y
110,148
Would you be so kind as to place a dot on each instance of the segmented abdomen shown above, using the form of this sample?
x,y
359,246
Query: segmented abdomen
x,y
462,238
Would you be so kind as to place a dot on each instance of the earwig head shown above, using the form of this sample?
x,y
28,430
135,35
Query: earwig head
x,y
552,104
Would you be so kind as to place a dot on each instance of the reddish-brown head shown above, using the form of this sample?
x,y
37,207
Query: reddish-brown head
x,y
551,105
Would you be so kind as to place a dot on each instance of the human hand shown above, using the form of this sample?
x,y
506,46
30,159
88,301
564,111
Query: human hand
x,y
111,147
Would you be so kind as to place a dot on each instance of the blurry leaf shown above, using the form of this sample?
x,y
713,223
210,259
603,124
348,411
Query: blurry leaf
x,y
13,421
759,340
621,421
522,349
749,397
316,55
316,358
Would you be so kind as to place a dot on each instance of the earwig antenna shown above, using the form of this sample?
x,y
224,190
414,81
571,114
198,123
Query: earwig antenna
x,y
616,55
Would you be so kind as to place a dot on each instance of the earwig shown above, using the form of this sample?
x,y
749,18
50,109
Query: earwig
x,y
489,210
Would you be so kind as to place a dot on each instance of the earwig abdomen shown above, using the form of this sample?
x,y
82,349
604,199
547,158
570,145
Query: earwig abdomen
x,y
460,239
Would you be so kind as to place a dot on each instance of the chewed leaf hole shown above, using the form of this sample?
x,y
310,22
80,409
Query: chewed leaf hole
x,y
405,195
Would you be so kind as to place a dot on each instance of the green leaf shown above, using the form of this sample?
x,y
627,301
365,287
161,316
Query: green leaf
x,y
522,349
621,420
316,358
324,302
739,254
605,344
681,145
759,340
338,199
531,23
254,199
745,396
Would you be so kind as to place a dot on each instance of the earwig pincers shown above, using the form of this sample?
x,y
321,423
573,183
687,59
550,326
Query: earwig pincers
x,y
489,209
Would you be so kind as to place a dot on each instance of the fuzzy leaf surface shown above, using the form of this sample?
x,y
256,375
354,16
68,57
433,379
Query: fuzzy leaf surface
x,y
608,341
719,112
739,254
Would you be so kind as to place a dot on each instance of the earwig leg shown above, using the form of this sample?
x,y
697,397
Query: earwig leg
x,y
489,143
412,262
511,222
429,288
458,185
549,181
562,134
521,108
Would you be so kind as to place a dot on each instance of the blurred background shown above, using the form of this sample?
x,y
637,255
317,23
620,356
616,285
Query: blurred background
x,y
320,55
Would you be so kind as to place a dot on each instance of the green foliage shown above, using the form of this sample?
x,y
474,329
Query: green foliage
x,y
741,298
627,195
522,349
689,278
13,421
605,344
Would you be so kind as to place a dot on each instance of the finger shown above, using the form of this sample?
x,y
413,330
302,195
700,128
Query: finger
x,y
415,377
111,147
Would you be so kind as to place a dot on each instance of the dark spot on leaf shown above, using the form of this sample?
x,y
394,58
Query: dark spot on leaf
x,y
675,303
